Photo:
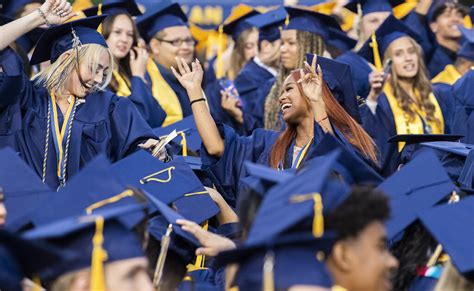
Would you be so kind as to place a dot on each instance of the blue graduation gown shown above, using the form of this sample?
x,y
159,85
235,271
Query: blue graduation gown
x,y
360,70
146,104
104,124
258,110
463,119
440,58
248,83
228,170
381,127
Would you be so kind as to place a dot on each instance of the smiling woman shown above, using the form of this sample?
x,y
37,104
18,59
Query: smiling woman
x,y
63,119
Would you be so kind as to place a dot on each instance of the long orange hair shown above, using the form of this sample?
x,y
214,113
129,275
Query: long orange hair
x,y
338,117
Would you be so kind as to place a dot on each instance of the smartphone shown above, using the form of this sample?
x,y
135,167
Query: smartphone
x,y
228,85
387,68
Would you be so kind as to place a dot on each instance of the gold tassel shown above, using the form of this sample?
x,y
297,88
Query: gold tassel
x,y
99,256
99,12
113,199
36,283
268,272
160,264
318,217
375,50
220,52
183,143
287,20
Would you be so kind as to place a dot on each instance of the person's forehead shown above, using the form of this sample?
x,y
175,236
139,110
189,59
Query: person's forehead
x,y
177,31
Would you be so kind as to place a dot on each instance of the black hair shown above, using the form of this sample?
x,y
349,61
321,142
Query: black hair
x,y
364,205
247,206
411,252
447,5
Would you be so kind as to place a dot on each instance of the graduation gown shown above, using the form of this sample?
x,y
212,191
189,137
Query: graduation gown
x,y
360,70
248,83
104,124
463,117
228,170
381,126
440,58
146,104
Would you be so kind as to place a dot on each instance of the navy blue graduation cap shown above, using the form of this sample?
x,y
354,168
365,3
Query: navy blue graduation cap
x,y
198,205
165,181
20,258
58,39
338,77
269,24
307,20
113,7
163,15
94,187
390,30
289,260
457,148
22,188
235,23
451,226
261,178
292,204
188,135
369,6
419,185
467,47
75,235
349,165
339,39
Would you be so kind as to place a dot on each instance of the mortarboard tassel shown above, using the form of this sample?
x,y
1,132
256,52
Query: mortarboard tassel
x,y
113,199
318,217
36,283
184,143
160,264
375,50
99,12
268,272
220,52
99,255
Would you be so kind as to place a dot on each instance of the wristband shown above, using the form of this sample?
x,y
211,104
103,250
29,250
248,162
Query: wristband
x,y
41,13
197,100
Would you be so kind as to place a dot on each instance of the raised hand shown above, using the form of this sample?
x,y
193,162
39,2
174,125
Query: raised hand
x,y
311,81
212,244
138,61
376,81
57,11
190,78
232,106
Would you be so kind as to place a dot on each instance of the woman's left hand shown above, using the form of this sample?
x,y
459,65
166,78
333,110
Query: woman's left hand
x,y
311,81
212,244
150,144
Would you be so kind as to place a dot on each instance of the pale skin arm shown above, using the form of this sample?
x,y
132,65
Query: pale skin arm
x,y
226,214
56,12
190,79
212,244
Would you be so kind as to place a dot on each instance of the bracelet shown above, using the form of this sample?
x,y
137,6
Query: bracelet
x,y
322,119
41,13
197,100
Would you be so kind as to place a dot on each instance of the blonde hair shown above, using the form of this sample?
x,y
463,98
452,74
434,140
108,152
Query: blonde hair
x,y
307,43
237,60
53,78
421,84
452,280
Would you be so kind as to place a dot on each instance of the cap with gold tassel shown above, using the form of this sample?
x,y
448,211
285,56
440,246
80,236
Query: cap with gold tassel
x,y
160,264
318,218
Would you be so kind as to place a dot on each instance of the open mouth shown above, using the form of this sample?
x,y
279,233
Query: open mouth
x,y
409,67
286,106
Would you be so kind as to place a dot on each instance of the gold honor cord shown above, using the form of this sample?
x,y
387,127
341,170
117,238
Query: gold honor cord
x,y
113,199
151,177
99,256
160,264
318,218
268,272
454,198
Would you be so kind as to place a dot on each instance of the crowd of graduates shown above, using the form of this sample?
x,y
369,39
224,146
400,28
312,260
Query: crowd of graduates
x,y
324,147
